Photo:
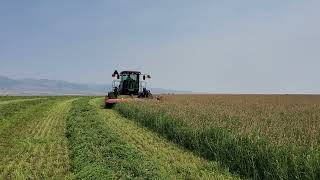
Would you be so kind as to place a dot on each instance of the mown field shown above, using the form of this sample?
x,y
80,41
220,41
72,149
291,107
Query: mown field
x,y
76,138
256,136
178,137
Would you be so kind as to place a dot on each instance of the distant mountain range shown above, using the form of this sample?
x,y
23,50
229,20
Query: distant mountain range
x,y
9,86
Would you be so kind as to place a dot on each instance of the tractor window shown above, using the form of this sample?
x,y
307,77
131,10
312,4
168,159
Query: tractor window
x,y
133,77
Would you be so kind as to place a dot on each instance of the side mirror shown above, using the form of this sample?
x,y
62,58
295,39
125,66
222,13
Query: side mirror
x,y
116,74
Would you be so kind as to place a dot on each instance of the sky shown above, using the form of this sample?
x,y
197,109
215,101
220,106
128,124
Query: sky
x,y
245,46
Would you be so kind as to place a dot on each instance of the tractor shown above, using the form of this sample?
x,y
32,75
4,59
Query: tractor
x,y
126,86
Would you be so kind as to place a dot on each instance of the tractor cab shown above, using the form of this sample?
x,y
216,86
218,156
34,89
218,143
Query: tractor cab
x,y
129,83
132,83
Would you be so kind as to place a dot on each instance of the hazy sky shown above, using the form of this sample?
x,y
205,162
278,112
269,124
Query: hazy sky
x,y
210,46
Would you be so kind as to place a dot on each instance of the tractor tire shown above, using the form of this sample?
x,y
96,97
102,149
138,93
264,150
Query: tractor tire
x,y
149,95
108,106
111,95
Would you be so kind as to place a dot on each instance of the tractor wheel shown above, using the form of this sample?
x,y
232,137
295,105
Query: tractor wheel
x,y
111,95
149,95
142,95
108,106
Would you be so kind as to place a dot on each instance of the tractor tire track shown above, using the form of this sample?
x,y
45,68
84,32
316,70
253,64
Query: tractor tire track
x,y
41,149
170,159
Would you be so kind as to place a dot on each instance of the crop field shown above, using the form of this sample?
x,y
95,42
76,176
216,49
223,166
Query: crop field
x,y
76,138
178,137
256,136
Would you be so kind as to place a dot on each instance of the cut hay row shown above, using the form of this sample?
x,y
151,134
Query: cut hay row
x,y
171,161
8,98
12,113
13,106
98,153
19,100
38,148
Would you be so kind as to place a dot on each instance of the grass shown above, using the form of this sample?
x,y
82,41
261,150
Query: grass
x,y
170,161
179,137
97,153
11,107
261,137
12,113
70,138
34,146
7,98
291,119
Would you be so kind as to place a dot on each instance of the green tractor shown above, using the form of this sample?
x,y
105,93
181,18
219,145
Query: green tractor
x,y
128,84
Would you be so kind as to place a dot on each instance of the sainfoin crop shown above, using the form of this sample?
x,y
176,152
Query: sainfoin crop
x,y
262,137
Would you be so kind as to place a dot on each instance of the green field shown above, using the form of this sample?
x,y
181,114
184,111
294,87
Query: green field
x,y
76,138
256,136
178,137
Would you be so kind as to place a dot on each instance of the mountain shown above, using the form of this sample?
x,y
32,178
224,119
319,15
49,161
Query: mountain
x,y
48,87
6,82
29,86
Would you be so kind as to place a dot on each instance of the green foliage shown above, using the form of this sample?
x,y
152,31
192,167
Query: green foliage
x,y
258,159
8,98
171,161
32,140
10,109
98,153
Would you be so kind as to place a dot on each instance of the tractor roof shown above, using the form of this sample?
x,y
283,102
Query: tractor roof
x,y
130,72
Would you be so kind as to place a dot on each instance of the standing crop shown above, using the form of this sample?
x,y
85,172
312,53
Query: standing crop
x,y
262,137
